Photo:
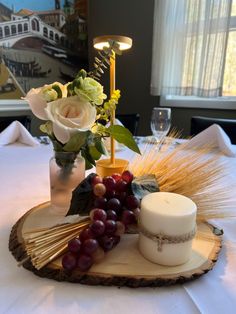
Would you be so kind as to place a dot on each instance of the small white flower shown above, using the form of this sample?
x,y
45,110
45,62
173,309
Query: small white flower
x,y
49,94
39,97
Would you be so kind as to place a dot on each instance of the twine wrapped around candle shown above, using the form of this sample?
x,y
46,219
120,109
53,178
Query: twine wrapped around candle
x,y
162,238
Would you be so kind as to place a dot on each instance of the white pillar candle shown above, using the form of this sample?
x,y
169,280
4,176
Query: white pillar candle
x,y
171,215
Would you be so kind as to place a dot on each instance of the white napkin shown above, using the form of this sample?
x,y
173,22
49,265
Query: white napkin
x,y
16,132
217,137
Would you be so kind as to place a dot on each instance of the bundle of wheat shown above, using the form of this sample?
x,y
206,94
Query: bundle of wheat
x,y
44,245
196,173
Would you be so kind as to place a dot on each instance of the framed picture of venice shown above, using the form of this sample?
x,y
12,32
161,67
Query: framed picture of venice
x,y
40,42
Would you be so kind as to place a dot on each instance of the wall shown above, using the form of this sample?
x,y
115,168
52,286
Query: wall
x,y
134,18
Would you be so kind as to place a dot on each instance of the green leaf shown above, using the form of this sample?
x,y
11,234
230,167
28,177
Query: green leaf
x,y
76,83
144,185
57,146
82,198
100,145
88,164
82,73
114,45
89,160
94,153
76,142
124,136
70,89
58,90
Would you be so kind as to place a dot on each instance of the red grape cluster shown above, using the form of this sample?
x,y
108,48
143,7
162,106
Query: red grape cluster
x,y
114,208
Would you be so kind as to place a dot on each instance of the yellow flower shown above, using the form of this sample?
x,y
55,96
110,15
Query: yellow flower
x,y
49,94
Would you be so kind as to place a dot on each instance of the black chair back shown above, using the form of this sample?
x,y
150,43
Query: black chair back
x,y
130,121
6,121
198,124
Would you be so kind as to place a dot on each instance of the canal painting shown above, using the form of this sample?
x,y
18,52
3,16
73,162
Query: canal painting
x,y
41,42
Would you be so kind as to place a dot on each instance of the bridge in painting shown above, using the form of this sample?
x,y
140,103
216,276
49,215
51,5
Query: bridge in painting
x,y
30,26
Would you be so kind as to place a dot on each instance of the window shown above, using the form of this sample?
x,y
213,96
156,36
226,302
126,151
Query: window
x,y
194,50
13,29
19,28
7,31
45,32
229,85
25,27
51,35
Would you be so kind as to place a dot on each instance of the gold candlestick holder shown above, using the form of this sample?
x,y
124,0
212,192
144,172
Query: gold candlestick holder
x,y
106,167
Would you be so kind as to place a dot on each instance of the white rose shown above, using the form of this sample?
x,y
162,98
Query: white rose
x,y
37,103
91,90
70,115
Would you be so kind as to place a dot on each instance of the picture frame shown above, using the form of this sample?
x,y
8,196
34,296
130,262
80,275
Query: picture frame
x,y
40,43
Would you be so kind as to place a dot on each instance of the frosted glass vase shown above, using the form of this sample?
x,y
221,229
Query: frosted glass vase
x,y
67,170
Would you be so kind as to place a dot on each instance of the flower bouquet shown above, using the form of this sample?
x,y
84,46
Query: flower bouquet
x,y
73,114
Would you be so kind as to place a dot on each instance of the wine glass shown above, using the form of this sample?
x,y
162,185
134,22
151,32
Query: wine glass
x,y
160,123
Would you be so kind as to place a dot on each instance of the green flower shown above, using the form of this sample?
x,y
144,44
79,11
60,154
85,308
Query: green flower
x,y
91,90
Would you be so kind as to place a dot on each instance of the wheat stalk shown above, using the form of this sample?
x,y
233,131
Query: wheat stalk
x,y
196,173
45,244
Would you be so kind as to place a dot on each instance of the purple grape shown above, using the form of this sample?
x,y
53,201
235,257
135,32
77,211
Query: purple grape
x,y
100,202
128,217
111,215
132,202
99,189
113,204
84,262
116,176
74,245
69,261
121,186
106,243
98,214
120,228
97,227
127,176
96,179
136,212
121,196
123,208
89,246
116,240
110,227
110,194
109,183
86,234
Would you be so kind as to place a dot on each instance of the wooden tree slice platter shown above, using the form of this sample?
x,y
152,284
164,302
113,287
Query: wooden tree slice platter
x,y
124,265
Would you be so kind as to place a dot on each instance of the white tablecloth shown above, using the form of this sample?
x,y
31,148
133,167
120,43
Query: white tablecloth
x,y
24,183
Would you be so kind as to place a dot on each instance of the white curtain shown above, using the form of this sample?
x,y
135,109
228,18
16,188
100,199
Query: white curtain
x,y
189,47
